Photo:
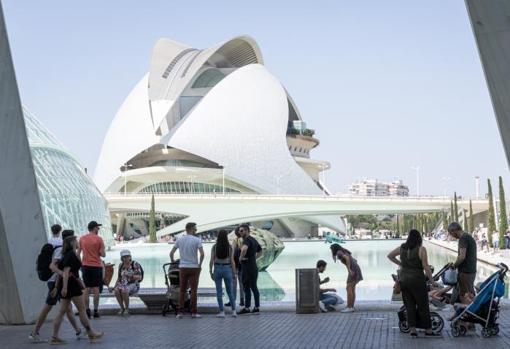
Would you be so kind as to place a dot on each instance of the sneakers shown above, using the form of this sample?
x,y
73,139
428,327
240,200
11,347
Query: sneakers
x,y
56,341
178,316
198,316
34,338
88,313
221,314
322,307
234,314
255,311
127,312
244,311
96,314
347,310
121,312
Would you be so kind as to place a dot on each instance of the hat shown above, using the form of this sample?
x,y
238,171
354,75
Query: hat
x,y
125,253
93,224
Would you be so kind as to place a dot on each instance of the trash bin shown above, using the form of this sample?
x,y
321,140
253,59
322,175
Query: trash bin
x,y
307,291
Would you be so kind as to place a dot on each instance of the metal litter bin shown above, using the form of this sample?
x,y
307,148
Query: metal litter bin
x,y
307,291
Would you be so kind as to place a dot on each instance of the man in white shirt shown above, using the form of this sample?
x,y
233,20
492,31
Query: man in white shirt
x,y
189,267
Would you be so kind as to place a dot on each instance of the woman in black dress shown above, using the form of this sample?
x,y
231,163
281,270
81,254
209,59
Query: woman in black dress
x,y
70,287
353,274
413,263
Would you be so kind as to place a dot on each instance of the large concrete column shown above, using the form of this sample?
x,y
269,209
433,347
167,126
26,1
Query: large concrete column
x,y
21,222
490,20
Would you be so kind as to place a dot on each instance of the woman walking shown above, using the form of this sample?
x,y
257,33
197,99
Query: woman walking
x,y
413,262
222,258
70,286
353,274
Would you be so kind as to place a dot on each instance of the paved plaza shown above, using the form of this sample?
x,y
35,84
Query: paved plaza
x,y
364,329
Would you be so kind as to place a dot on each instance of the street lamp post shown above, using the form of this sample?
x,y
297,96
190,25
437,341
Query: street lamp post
x,y
477,187
445,180
126,166
417,169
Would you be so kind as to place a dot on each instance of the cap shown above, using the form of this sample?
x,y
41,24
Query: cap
x,y
93,224
125,253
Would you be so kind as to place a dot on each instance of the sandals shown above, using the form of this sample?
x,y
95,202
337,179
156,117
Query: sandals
x,y
96,336
56,341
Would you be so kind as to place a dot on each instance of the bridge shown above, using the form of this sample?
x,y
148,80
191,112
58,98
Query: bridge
x,y
215,211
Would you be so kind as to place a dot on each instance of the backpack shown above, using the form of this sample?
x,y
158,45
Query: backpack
x,y
44,260
132,267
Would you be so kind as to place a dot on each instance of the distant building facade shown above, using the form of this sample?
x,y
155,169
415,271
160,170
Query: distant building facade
x,y
372,187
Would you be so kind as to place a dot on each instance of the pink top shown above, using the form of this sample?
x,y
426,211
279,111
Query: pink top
x,y
91,246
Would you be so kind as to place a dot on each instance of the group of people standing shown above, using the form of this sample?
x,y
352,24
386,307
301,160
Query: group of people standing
x,y
230,264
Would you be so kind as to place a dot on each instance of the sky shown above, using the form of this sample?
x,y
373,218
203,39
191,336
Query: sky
x,y
386,85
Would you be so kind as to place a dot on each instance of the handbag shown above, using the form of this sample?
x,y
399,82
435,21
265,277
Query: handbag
x,y
397,289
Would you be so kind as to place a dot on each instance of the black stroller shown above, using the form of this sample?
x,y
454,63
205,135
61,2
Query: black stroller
x,y
436,319
172,281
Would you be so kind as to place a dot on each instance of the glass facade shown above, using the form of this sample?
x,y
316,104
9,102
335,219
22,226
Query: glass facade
x,y
185,188
68,195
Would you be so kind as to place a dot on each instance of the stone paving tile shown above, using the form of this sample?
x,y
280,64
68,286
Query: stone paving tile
x,y
364,330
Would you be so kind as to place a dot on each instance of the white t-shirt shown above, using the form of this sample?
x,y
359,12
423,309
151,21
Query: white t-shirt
x,y
188,246
57,254
495,237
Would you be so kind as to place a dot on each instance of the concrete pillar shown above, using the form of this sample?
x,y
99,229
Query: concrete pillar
x,y
21,222
490,20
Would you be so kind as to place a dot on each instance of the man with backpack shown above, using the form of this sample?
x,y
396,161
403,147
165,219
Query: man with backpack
x,y
128,281
51,254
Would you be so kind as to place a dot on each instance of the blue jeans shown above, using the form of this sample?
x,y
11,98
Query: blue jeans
x,y
224,273
328,299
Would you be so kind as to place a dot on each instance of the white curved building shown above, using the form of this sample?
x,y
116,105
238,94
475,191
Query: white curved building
x,y
211,121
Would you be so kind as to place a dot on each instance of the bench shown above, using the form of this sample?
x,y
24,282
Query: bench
x,y
155,298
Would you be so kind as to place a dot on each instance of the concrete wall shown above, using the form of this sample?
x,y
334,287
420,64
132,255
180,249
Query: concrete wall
x,y
21,222
490,20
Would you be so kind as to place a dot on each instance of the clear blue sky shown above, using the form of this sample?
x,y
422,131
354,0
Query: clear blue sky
x,y
386,84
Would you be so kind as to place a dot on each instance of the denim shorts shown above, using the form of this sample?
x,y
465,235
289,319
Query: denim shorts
x,y
49,299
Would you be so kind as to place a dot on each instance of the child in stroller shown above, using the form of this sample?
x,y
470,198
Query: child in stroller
x,y
172,281
484,307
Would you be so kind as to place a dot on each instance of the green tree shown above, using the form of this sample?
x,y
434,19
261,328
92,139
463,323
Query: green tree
x,y
452,215
464,217
471,225
491,221
152,222
455,208
503,222
445,220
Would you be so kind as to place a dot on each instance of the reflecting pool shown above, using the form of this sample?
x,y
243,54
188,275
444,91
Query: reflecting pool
x,y
278,282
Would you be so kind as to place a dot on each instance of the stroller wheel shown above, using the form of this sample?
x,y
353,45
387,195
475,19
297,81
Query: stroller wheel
x,y
486,333
495,330
437,322
455,330
462,330
403,326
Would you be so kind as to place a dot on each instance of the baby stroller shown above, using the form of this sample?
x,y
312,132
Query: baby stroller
x,y
436,319
484,309
172,281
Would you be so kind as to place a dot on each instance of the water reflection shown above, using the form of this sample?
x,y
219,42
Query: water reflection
x,y
278,282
